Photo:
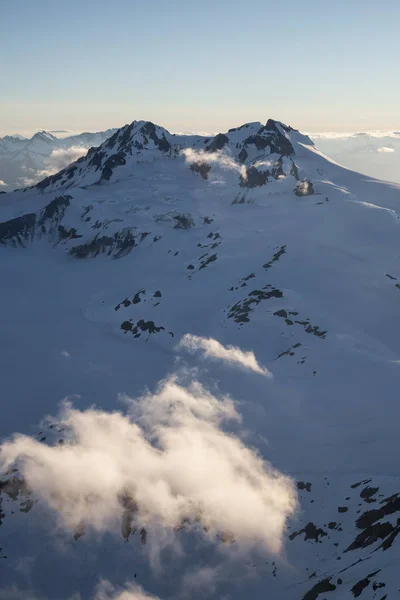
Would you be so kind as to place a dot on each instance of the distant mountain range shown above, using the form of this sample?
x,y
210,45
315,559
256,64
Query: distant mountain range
x,y
24,161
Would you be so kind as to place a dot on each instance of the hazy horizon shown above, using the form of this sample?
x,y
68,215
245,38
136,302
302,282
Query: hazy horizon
x,y
62,132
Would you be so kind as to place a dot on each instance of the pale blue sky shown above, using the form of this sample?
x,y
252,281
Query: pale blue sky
x,y
199,65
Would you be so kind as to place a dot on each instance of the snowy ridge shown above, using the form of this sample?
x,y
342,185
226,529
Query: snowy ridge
x,y
259,282
143,141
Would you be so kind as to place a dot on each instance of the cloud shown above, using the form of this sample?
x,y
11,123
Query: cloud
x,y
59,159
106,591
199,133
385,149
331,135
230,354
203,581
214,158
150,468
2,183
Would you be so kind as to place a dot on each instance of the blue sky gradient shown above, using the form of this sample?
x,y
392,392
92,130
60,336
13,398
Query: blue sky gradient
x,y
203,66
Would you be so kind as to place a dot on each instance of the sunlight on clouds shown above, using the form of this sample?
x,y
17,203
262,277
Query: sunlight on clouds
x,y
151,468
231,354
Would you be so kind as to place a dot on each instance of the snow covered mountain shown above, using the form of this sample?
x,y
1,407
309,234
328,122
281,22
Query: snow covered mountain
x,y
25,161
229,306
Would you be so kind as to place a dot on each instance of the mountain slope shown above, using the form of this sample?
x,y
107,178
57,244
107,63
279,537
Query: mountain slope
x,y
251,239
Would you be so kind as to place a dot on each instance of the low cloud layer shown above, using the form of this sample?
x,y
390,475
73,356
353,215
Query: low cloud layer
x,y
220,159
59,159
230,354
151,468
330,135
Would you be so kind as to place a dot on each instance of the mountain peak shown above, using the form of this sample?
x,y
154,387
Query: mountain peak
x,y
144,141
44,136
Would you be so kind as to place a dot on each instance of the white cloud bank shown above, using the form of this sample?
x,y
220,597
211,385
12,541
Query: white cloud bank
x,y
2,183
59,159
166,464
230,354
329,135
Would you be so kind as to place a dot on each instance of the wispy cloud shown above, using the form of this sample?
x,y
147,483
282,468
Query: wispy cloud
x,y
385,149
151,468
2,183
220,159
231,354
199,133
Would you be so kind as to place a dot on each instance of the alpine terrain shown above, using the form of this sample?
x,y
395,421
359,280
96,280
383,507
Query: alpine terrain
x,y
200,366
26,161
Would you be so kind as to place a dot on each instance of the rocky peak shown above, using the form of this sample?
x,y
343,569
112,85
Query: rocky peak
x,y
44,136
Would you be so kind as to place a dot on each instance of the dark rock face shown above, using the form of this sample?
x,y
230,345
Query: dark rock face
x,y
374,530
240,312
320,588
142,326
183,221
276,257
117,246
150,130
96,157
254,178
113,161
15,489
311,532
202,168
270,137
22,230
304,188
243,154
17,231
49,180
218,143
359,587
55,209
302,485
